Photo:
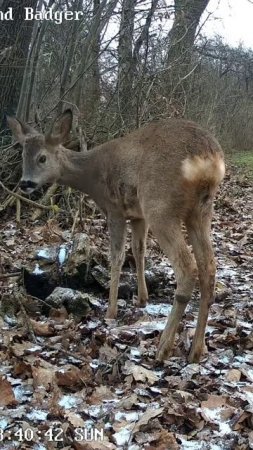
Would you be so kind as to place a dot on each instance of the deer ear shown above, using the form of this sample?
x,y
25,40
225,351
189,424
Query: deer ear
x,y
19,129
61,128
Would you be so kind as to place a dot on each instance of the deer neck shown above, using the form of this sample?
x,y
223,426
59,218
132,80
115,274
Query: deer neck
x,y
80,170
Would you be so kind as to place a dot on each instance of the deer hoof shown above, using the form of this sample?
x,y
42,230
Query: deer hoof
x,y
141,302
111,314
163,352
195,355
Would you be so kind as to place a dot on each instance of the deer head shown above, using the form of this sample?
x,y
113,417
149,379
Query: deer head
x,y
40,152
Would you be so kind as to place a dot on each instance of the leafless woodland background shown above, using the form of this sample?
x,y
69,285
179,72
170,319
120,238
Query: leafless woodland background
x,y
125,63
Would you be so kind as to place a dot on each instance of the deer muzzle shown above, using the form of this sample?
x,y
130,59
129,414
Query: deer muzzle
x,y
28,186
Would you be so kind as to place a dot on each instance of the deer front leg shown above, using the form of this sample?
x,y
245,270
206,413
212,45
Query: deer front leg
x,y
117,229
139,235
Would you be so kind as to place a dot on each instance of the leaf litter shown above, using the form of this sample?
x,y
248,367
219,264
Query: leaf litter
x,y
65,372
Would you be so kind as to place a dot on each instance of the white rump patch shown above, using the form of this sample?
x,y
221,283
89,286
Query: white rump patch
x,y
198,167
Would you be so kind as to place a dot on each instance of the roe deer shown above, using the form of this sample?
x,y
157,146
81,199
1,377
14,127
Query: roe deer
x,y
158,177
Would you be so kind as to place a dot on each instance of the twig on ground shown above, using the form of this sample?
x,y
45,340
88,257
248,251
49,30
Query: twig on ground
x,y
67,352
27,200
9,275
27,320
18,210
44,201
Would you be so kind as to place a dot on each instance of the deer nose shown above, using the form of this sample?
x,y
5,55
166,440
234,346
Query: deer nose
x,y
27,185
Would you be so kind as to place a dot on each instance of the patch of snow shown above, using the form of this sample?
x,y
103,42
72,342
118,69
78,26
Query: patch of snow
x,y
21,393
92,324
145,328
3,424
37,270
142,392
210,329
204,371
248,372
148,327
215,416
119,391
128,416
37,414
88,424
225,359
62,254
155,390
44,253
197,445
94,363
39,447
94,301
160,309
191,445
73,360
225,429
95,411
135,352
121,346
109,402
69,401
11,446
5,370
122,302
122,437
212,414
243,358
190,370
249,397
226,272
10,320
34,349
166,268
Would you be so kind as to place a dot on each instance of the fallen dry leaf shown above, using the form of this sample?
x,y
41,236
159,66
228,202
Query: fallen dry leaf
x,y
68,376
140,373
146,417
7,397
42,328
101,393
75,419
43,377
25,348
167,440
233,375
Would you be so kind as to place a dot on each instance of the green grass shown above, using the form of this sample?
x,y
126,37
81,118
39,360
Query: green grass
x,y
243,160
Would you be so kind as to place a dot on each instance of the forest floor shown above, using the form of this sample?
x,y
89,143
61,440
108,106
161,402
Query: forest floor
x,y
90,384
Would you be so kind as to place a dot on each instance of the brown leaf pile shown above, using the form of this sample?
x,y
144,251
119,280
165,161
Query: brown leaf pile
x,y
93,385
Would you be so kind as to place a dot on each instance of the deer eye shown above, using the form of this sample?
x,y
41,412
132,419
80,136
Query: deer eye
x,y
42,159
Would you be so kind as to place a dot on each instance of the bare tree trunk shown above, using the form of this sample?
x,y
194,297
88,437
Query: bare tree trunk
x,y
91,86
181,41
70,53
15,36
87,86
126,66
142,40
25,98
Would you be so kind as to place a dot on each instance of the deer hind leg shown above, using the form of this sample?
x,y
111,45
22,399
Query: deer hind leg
x,y
117,229
199,228
173,244
139,235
